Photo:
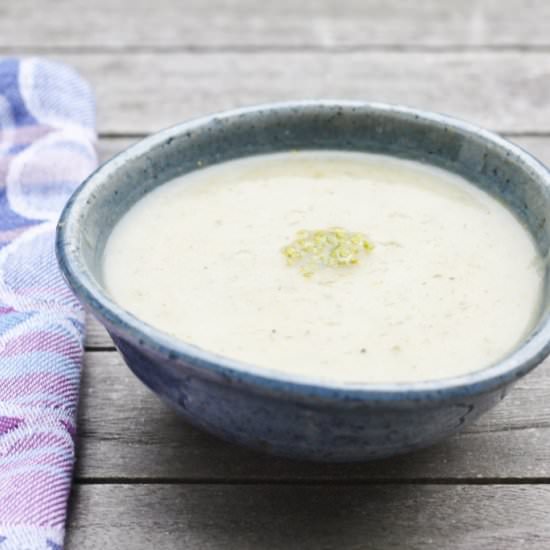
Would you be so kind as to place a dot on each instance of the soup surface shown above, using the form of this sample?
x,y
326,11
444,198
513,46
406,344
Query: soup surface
x,y
348,267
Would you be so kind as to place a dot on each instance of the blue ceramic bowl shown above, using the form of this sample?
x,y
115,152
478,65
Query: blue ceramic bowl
x,y
280,413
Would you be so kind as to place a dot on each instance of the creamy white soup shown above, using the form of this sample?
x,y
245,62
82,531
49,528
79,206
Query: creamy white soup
x,y
345,267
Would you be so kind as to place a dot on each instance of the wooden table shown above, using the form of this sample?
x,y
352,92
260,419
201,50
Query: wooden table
x,y
145,479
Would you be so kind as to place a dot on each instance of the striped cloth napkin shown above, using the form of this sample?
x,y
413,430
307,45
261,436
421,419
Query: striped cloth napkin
x,y
46,149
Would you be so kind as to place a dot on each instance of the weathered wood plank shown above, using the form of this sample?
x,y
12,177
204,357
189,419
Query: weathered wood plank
x,y
210,517
324,23
126,432
141,93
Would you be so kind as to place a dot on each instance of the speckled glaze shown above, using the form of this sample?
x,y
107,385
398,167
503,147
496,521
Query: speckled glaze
x,y
286,415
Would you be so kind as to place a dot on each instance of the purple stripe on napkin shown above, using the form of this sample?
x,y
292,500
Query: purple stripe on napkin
x,y
47,141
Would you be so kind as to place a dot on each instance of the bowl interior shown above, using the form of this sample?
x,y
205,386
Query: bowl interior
x,y
502,169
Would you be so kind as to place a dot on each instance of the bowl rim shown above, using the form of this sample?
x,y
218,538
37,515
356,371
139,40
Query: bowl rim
x,y
183,355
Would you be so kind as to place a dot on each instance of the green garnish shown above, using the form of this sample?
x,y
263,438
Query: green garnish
x,y
334,247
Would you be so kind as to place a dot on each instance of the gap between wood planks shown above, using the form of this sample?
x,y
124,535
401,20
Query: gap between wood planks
x,y
310,482
273,48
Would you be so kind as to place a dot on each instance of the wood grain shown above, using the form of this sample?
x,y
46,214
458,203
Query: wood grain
x,y
283,24
211,517
126,432
140,93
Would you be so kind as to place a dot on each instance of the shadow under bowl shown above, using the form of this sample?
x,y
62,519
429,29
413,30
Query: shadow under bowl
x,y
284,414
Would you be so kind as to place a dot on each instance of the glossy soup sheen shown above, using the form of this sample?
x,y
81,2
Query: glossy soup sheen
x,y
452,284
